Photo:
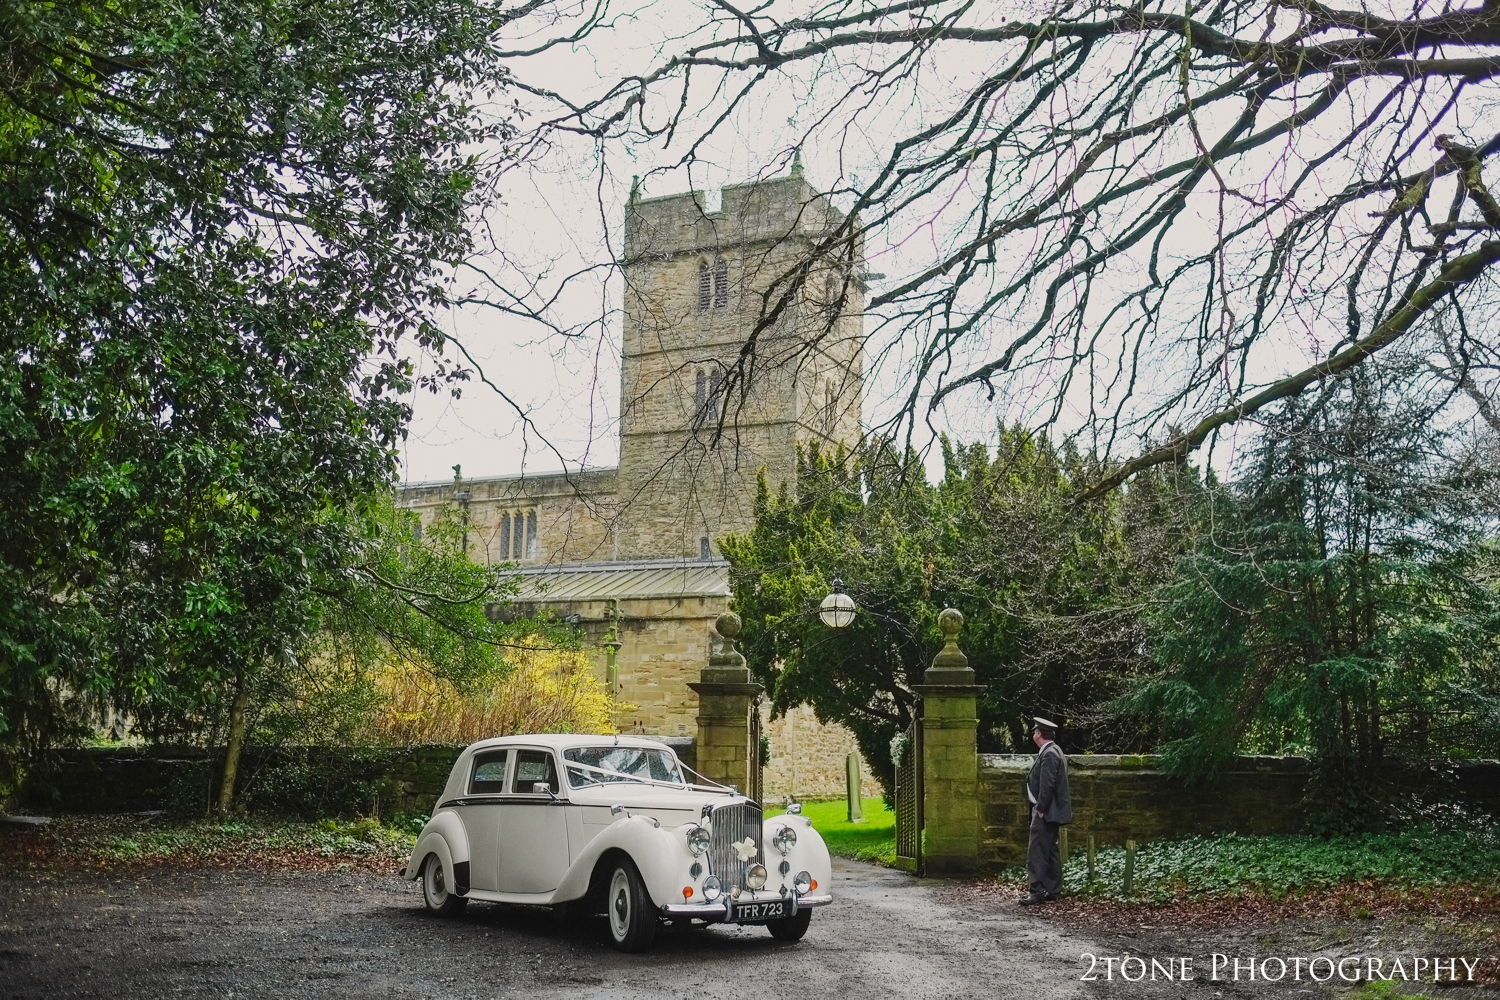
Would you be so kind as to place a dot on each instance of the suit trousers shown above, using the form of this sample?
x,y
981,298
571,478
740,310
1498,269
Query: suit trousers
x,y
1043,862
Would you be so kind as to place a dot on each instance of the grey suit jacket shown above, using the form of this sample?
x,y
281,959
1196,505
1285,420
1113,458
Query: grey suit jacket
x,y
1047,785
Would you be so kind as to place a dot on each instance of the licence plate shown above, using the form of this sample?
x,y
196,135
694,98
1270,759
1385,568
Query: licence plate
x,y
745,913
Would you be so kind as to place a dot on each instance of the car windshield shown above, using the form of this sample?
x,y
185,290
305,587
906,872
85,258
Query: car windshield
x,y
608,764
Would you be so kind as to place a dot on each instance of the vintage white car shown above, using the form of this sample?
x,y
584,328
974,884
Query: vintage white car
x,y
609,824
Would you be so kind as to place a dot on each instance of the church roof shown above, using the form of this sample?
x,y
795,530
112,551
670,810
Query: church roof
x,y
637,579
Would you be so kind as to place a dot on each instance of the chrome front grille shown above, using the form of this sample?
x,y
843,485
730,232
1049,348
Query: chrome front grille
x,y
729,825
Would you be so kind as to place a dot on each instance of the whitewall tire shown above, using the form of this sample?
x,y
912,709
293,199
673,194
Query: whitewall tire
x,y
632,919
436,892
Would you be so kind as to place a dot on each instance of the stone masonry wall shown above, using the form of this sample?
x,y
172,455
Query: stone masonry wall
x,y
808,758
574,514
1128,797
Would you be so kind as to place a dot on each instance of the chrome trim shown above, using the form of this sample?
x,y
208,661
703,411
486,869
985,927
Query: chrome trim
x,y
703,911
728,825
718,912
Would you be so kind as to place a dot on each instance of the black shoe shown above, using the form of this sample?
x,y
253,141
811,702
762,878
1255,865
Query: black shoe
x,y
1035,899
1054,896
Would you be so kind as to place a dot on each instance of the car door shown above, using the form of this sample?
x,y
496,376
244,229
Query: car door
x,y
483,802
533,826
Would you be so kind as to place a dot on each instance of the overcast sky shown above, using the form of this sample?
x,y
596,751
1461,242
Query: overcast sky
x,y
562,217
558,224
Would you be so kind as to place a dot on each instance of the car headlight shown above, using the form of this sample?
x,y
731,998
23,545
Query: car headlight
x,y
712,888
755,876
784,839
698,840
803,882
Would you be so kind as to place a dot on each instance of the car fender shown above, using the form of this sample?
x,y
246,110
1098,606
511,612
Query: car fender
x,y
444,836
810,854
657,853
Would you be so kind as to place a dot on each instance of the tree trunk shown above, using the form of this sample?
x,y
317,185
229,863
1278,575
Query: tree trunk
x,y
236,743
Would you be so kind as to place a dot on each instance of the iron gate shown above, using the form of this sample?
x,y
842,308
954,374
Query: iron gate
x,y
909,800
755,774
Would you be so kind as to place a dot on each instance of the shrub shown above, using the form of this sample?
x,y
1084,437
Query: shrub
x,y
549,691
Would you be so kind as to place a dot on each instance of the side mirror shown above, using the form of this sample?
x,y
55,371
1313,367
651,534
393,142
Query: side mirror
x,y
541,788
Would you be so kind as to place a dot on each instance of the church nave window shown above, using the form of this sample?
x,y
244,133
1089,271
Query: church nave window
x,y
518,536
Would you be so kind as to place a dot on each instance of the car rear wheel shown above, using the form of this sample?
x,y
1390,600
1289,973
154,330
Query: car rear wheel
x,y
790,928
439,897
632,921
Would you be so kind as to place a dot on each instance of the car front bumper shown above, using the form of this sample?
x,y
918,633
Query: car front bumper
x,y
720,909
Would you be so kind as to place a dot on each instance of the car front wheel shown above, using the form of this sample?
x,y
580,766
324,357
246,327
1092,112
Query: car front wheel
x,y
439,897
632,922
790,928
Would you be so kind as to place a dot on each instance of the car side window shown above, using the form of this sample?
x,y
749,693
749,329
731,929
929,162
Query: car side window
x,y
533,766
488,775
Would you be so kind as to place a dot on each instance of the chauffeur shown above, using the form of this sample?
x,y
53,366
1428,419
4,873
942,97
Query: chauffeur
x,y
1052,807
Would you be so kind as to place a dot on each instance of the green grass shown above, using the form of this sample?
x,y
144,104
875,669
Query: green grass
x,y
1380,991
1276,866
872,840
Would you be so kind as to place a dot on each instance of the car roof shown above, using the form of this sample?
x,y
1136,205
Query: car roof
x,y
562,741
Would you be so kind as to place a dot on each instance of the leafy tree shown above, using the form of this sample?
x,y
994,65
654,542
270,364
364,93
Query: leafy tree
x,y
219,223
404,609
1050,587
1338,606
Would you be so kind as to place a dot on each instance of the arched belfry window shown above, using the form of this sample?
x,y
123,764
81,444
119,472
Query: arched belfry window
x,y
705,553
531,534
705,287
700,398
505,537
721,284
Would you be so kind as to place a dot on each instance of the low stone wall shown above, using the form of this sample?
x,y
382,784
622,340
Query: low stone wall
x,y
1123,797
305,781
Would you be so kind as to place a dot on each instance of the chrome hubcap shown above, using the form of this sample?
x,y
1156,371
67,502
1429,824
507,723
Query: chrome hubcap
x,y
619,910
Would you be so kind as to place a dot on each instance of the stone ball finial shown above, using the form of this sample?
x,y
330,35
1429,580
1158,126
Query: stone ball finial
x,y
951,621
727,666
950,666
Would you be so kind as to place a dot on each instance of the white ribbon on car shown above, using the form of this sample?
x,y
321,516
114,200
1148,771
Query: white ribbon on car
x,y
709,786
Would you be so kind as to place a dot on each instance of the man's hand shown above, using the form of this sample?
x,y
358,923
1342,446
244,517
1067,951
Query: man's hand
x,y
1041,816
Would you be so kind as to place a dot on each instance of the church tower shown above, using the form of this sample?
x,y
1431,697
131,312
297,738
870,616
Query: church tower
x,y
724,369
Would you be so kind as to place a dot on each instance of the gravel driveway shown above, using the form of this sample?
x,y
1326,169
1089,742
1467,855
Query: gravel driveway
x,y
222,934
236,934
